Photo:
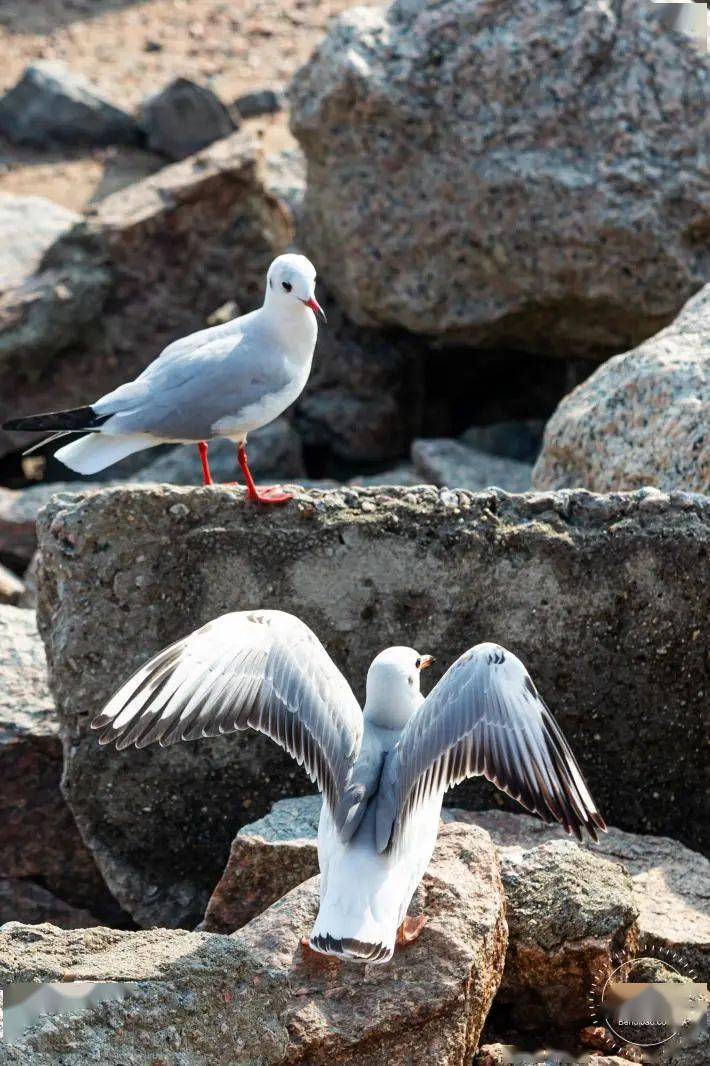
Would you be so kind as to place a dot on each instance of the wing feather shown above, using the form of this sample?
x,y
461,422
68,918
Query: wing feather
x,y
263,669
485,717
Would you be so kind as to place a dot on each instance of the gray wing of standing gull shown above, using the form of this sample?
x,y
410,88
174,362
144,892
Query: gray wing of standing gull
x,y
263,669
196,381
486,717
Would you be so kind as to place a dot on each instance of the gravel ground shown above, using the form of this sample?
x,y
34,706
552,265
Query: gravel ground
x,y
130,49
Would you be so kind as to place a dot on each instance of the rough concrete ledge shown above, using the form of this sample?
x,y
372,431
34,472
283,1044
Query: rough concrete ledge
x,y
603,597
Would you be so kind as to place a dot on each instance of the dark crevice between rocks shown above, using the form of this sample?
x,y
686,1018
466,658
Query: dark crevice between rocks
x,y
466,387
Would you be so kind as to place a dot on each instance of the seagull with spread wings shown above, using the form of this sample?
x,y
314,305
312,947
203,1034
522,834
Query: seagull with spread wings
x,y
383,770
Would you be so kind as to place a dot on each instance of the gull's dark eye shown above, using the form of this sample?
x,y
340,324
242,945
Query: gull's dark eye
x,y
418,663
286,286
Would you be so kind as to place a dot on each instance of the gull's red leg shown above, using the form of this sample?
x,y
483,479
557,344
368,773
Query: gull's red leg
x,y
270,495
206,475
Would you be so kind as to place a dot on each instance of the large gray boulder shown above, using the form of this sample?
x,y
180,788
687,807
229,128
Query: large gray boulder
x,y
205,999
50,290
50,103
641,418
602,597
526,173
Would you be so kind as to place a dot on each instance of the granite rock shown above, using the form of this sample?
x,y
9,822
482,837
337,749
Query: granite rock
x,y
641,418
599,596
261,102
253,997
267,859
50,292
27,902
184,118
18,517
523,173
668,881
53,104
570,914
519,439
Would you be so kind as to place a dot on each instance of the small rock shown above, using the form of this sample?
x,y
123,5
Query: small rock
x,y
512,439
183,118
27,902
641,419
50,103
12,590
267,859
669,881
569,912
442,461
404,474
18,516
261,102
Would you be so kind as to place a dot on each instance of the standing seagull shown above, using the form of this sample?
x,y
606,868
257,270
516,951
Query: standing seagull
x,y
383,772
221,382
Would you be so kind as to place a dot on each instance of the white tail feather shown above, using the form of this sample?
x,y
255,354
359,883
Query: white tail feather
x,y
96,451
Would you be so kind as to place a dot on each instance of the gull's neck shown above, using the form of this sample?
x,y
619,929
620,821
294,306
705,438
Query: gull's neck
x,y
291,323
391,706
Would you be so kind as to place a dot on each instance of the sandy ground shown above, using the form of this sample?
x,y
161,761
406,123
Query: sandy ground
x,y
130,48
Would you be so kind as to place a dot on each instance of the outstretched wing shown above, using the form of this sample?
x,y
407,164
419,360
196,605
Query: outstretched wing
x,y
486,717
264,669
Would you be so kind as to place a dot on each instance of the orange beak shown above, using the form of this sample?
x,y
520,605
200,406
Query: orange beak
x,y
426,660
315,307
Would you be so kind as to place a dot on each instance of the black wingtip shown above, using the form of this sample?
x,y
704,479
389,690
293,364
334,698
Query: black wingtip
x,y
76,418
349,948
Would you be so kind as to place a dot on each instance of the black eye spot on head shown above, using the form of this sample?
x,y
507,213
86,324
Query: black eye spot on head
x,y
286,286
418,663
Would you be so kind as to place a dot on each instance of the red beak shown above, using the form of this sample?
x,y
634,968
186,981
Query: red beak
x,y
315,307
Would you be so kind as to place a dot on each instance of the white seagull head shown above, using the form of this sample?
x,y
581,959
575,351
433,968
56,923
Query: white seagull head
x,y
393,692
291,283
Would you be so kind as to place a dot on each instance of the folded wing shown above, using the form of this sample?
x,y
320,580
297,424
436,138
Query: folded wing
x,y
263,669
485,717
